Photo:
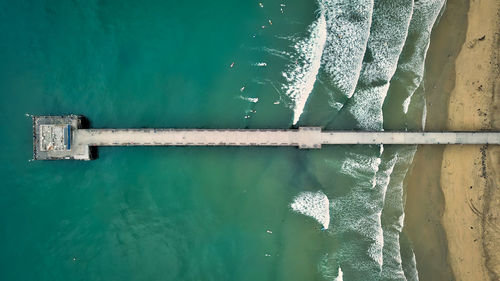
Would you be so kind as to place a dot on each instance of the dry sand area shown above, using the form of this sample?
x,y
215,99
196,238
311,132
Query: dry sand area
x,y
453,192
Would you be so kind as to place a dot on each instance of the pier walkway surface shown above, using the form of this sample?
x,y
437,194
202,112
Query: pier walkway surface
x,y
305,137
65,138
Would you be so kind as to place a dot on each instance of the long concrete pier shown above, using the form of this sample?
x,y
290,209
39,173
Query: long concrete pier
x,y
64,138
305,137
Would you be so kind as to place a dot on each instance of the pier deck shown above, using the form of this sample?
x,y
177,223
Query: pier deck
x,y
304,137
79,140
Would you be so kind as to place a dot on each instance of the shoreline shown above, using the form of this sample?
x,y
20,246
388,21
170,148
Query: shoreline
x,y
424,206
469,174
452,192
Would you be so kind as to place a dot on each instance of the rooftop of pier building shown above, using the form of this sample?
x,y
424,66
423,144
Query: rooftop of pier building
x,y
52,138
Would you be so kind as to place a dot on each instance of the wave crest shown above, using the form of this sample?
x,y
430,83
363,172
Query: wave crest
x,y
315,205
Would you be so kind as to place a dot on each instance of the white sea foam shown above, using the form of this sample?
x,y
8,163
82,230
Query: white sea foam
x,y
411,272
372,176
365,201
254,100
313,204
424,115
406,104
301,75
366,107
391,20
362,204
383,178
340,275
261,64
348,26
329,267
360,210
335,105
392,266
361,167
393,213
425,15
364,214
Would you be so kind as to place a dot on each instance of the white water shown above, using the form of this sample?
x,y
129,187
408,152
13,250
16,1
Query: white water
x,y
346,43
254,100
425,15
424,115
392,19
340,276
383,178
348,25
361,167
315,205
301,75
329,268
394,213
406,104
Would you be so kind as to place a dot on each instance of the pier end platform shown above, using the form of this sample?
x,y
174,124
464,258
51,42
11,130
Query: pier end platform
x,y
53,138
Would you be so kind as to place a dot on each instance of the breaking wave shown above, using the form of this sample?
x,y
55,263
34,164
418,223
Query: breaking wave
x,y
348,27
314,205
358,50
301,75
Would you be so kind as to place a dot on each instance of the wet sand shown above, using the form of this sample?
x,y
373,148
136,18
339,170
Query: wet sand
x,y
453,196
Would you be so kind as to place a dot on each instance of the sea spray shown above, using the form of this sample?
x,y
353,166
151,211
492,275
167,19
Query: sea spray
x,y
301,74
315,205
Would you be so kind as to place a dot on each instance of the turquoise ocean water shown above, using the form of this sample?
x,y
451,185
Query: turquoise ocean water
x,y
163,213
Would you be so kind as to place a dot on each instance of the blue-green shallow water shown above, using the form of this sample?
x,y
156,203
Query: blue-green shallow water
x,y
207,213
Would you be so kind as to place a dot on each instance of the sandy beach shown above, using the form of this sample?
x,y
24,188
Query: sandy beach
x,y
453,196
